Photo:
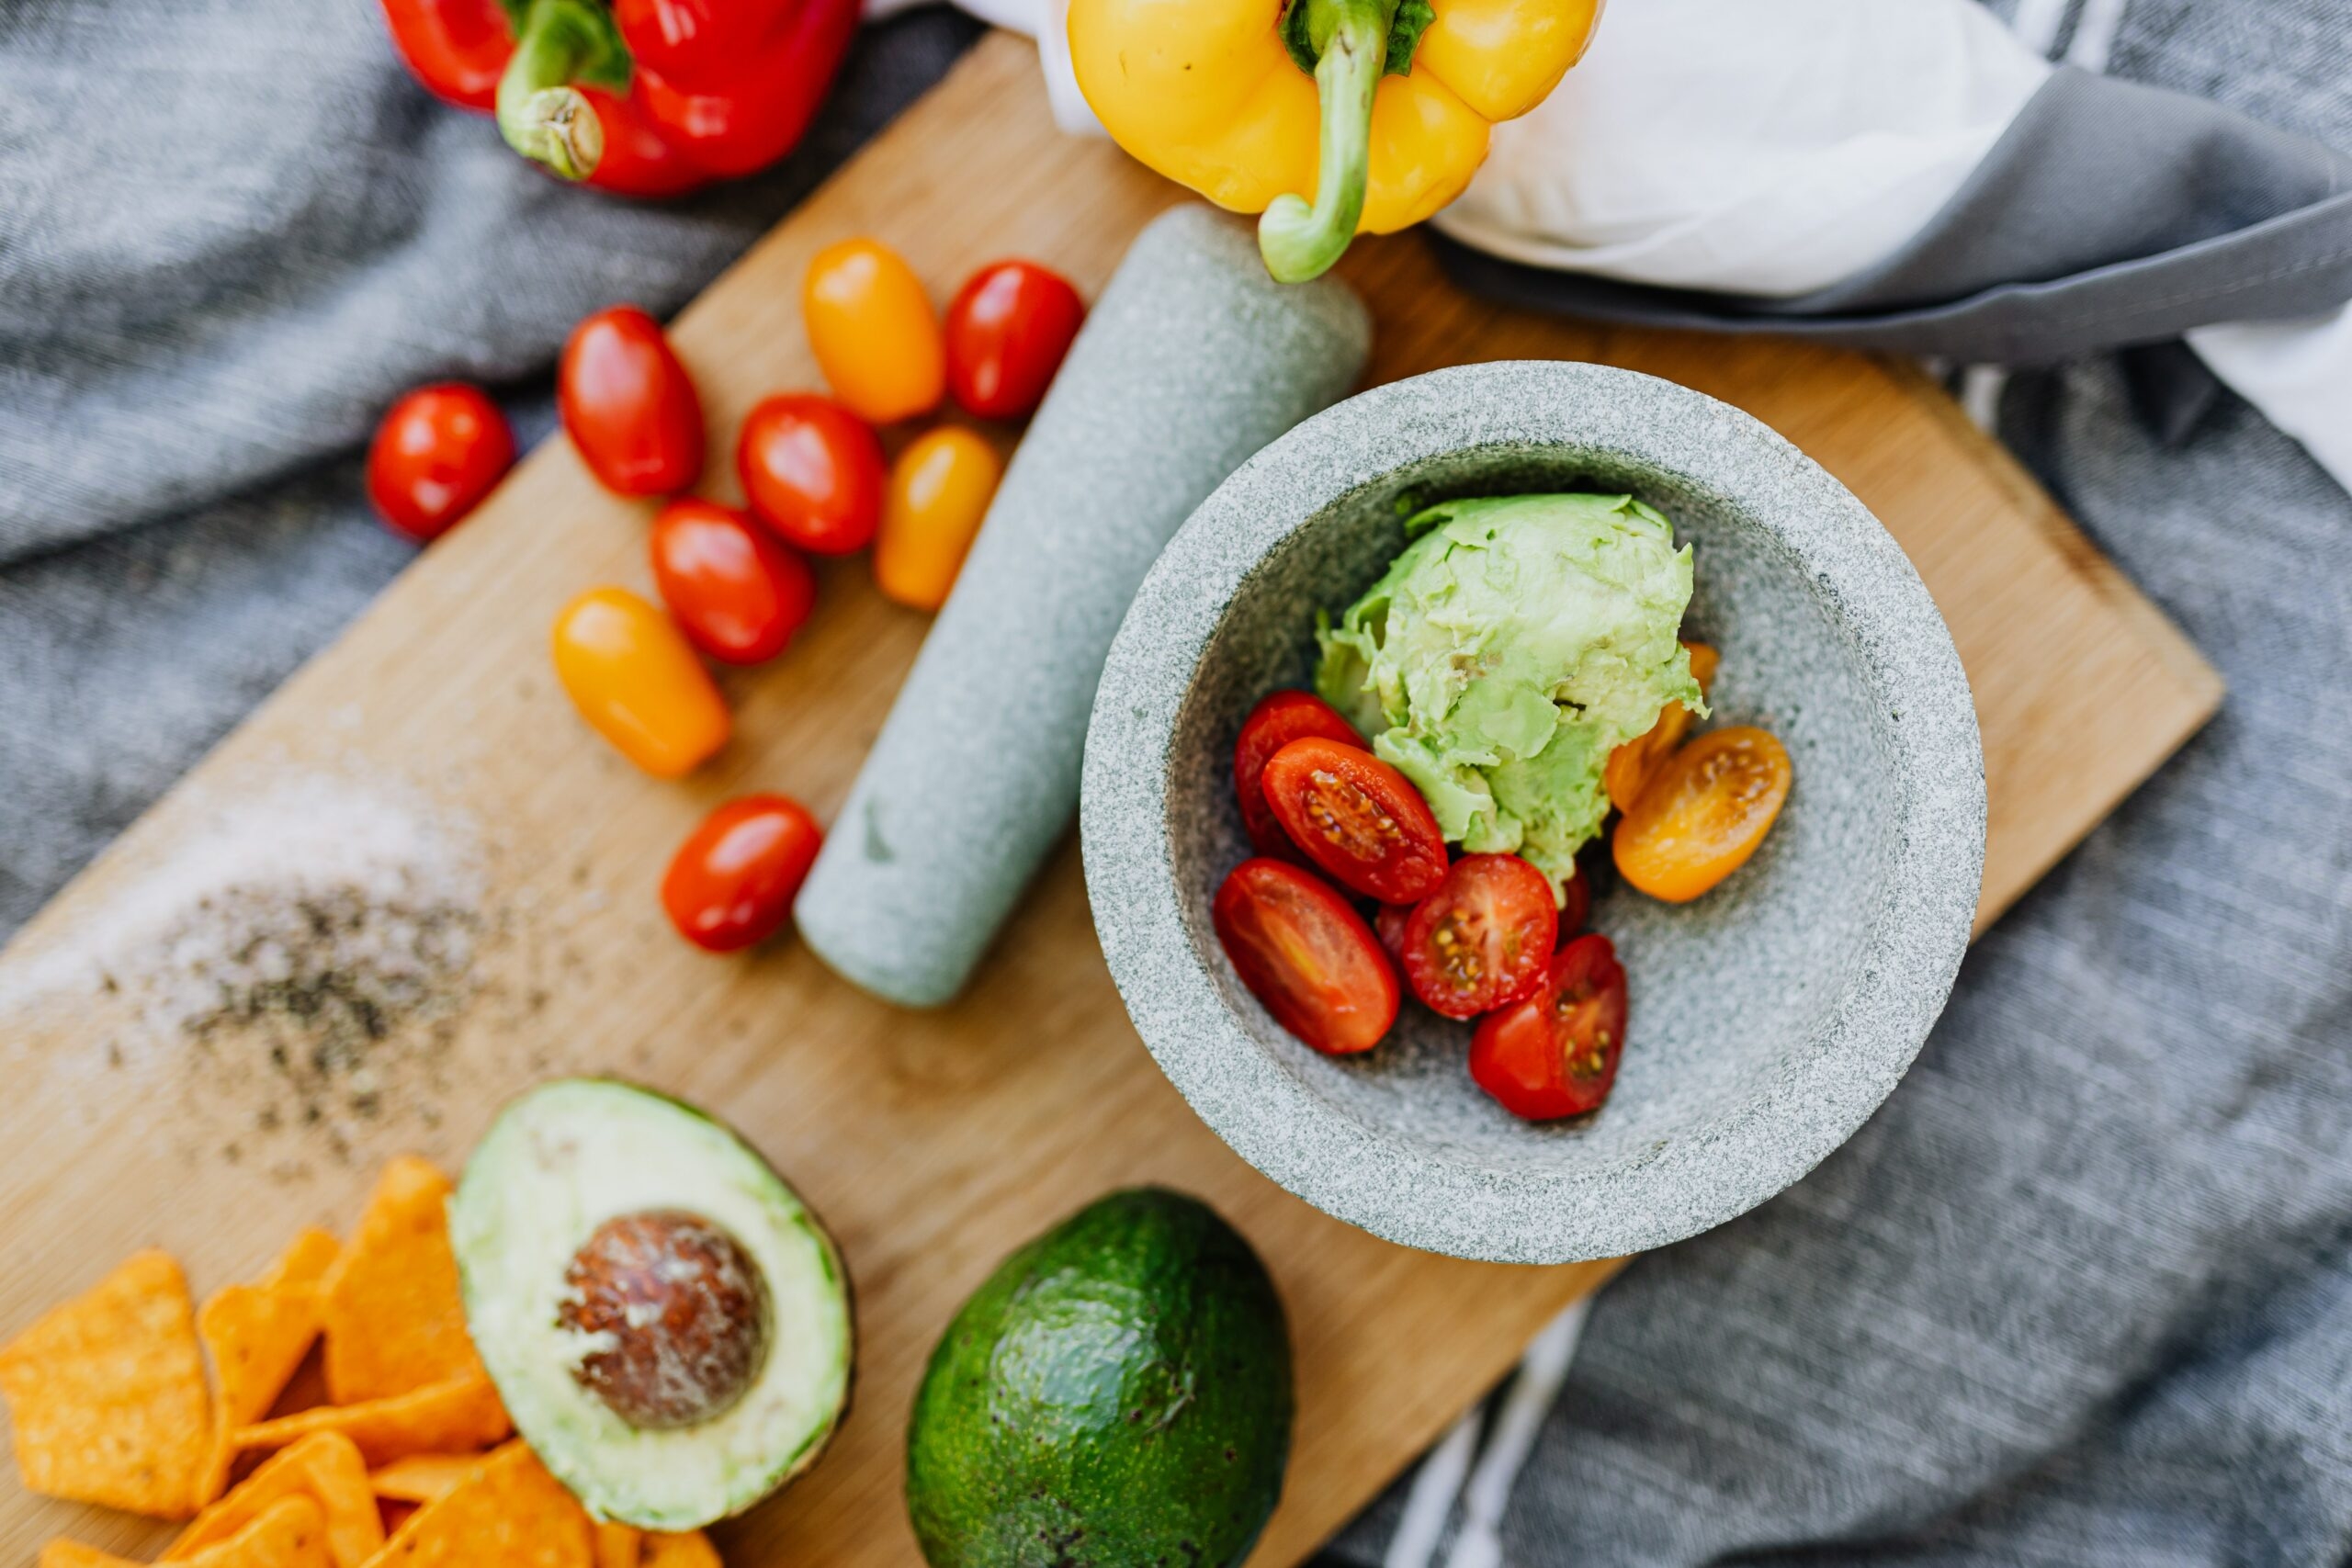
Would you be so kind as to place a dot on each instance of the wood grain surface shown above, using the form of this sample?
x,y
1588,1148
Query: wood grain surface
x,y
933,1144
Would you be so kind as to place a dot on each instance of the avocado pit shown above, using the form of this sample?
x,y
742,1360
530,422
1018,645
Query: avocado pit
x,y
673,1315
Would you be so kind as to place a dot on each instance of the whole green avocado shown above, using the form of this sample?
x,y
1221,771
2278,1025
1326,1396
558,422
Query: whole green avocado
x,y
1116,1395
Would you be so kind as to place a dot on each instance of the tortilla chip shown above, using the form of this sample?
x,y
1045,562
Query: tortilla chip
x,y
290,1533
257,1335
690,1549
616,1546
443,1418
393,1319
325,1468
108,1392
510,1512
423,1478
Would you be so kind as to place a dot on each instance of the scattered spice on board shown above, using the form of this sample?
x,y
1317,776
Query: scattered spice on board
x,y
309,950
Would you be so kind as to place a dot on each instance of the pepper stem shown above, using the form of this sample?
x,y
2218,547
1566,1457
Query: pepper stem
x,y
540,113
1350,39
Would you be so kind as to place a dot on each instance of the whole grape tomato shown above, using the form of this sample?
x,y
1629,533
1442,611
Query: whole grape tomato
x,y
735,593
939,494
732,884
812,471
630,672
628,404
1007,329
875,336
439,451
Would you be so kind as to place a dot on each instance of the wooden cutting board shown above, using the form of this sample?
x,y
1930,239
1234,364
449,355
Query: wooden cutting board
x,y
931,1143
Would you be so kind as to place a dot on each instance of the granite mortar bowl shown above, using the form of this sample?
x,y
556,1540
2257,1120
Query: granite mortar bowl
x,y
1769,1019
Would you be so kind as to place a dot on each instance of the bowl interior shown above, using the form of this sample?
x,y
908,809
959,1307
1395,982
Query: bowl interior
x,y
1723,990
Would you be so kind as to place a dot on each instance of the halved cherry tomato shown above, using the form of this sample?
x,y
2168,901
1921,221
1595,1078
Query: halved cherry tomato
x,y
939,492
628,404
1279,718
1482,939
1306,954
1357,819
1633,765
630,672
439,451
732,882
1555,1053
1007,329
737,594
813,471
1703,814
1388,925
874,333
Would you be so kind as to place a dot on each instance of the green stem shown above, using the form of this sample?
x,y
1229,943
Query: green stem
x,y
540,113
1350,39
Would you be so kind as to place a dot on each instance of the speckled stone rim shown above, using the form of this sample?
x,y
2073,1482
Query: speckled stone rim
x,y
1866,1038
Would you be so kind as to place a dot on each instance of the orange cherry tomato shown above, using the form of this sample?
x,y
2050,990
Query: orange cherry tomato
x,y
732,882
875,336
1703,814
812,471
1634,765
1305,954
940,490
1556,1053
628,404
439,450
630,672
1357,819
736,593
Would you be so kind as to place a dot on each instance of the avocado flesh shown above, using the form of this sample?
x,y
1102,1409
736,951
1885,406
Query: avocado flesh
x,y
557,1164
1116,1395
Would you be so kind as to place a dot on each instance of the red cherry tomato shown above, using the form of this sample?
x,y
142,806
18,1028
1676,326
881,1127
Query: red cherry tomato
x,y
439,450
1388,925
1306,955
737,594
1555,1053
1007,331
813,471
732,882
1483,940
1357,819
1279,718
629,405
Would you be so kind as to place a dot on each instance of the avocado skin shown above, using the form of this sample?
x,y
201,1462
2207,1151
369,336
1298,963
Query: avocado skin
x,y
1116,1395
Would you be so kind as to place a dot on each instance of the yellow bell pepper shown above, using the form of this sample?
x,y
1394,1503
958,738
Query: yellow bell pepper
x,y
1216,95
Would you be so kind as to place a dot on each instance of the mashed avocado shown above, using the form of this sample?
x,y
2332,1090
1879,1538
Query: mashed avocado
x,y
1511,647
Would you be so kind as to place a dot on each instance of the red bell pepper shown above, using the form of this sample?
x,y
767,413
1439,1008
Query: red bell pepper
x,y
642,97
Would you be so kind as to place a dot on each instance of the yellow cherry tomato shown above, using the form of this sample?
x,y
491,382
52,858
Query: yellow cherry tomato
x,y
875,336
1703,813
634,678
939,488
1633,765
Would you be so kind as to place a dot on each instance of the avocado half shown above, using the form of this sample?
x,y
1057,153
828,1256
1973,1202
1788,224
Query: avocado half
x,y
562,1171
1116,1395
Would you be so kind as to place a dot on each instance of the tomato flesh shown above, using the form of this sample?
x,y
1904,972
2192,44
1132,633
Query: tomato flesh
x,y
1007,331
1306,955
628,404
1484,939
812,471
1357,819
439,451
736,593
1279,718
1556,1053
1703,814
732,884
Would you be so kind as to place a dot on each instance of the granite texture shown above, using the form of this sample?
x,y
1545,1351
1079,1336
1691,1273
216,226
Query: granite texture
x,y
1192,359
1769,1019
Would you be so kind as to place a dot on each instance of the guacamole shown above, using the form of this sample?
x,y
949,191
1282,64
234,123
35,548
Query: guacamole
x,y
1512,645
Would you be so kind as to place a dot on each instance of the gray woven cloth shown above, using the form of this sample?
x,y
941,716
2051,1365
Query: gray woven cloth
x,y
2081,1294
